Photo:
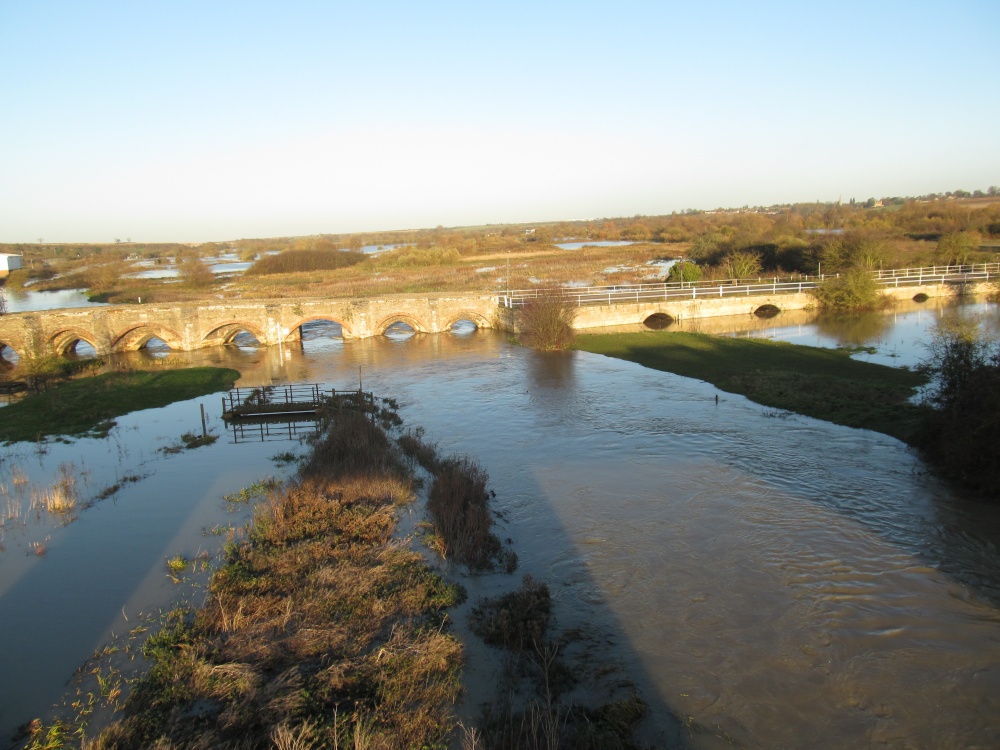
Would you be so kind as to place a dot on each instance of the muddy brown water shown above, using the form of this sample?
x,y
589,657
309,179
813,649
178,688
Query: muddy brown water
x,y
765,579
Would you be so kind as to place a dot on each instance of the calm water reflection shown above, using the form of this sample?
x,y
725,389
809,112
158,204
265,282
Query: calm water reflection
x,y
772,579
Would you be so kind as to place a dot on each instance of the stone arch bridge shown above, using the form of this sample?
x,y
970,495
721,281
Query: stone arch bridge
x,y
189,326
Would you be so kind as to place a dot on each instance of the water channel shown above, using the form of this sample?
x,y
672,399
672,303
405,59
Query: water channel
x,y
765,579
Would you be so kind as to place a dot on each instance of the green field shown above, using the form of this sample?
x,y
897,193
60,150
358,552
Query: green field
x,y
89,406
822,383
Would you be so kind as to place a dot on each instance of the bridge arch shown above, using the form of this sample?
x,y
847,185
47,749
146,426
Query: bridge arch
x,y
135,338
227,332
477,319
768,310
412,322
658,321
295,330
64,341
10,352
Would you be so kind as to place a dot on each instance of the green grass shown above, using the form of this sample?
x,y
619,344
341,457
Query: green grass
x,y
89,406
822,383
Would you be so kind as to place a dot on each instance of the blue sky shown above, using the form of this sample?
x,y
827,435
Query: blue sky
x,y
196,121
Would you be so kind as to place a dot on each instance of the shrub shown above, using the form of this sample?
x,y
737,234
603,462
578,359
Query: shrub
x,y
742,264
546,322
195,272
855,290
684,271
962,434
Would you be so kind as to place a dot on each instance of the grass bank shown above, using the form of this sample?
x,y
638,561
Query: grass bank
x,y
89,406
822,383
321,629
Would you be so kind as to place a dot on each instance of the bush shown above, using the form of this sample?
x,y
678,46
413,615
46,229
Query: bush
x,y
962,434
546,322
742,264
684,271
855,290
294,261
195,272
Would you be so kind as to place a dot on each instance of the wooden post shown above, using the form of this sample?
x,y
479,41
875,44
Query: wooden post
x,y
204,429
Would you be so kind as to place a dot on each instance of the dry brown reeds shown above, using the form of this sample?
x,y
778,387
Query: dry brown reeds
x,y
459,506
321,630
61,497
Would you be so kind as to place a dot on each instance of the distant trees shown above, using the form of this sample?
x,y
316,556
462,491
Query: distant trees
x,y
957,247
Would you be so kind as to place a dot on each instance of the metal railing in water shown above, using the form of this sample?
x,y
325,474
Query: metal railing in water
x,y
607,295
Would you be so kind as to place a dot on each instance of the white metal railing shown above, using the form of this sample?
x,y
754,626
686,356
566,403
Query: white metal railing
x,y
597,295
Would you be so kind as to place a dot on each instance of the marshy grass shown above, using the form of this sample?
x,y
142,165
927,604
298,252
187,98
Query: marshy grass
x,y
820,383
90,406
61,498
17,476
189,441
531,710
418,450
321,629
255,491
459,506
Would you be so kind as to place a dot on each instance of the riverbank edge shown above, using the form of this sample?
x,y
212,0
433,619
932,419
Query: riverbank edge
x,y
825,384
324,628
88,406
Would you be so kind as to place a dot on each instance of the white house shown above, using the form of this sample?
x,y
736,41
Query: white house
x,y
10,263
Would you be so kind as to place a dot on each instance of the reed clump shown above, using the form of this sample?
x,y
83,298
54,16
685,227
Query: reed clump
x,y
61,498
459,506
321,629
532,709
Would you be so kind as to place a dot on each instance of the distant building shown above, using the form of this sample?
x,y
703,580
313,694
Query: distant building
x,y
10,263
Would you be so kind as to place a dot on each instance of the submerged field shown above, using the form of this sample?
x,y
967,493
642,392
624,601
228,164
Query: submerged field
x,y
822,383
90,405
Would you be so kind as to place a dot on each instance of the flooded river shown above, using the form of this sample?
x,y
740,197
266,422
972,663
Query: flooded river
x,y
767,580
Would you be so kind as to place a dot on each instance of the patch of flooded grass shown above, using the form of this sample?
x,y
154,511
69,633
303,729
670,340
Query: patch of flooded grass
x,y
821,383
89,406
